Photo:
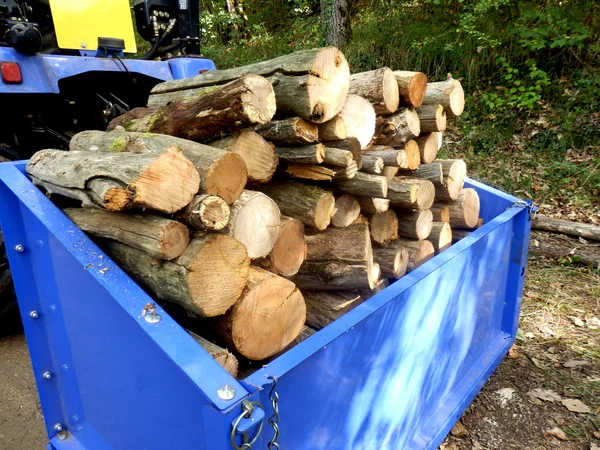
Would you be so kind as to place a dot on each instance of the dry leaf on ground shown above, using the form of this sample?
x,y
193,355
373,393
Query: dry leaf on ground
x,y
557,433
575,363
576,405
545,394
459,430
505,395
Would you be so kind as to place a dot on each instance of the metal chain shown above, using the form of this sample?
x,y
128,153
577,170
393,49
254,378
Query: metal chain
x,y
525,205
274,419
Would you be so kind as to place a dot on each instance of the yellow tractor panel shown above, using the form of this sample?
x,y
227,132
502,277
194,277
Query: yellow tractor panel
x,y
80,23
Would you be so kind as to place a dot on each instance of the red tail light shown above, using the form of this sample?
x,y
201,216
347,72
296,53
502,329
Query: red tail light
x,y
11,72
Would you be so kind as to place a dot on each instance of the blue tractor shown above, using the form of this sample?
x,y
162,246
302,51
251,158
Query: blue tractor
x,y
63,70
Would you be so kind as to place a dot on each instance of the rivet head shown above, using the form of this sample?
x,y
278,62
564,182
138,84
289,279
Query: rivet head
x,y
58,427
19,248
34,314
47,375
226,392
149,313
62,435
83,45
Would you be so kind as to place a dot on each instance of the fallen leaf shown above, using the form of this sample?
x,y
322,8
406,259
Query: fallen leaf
x,y
560,420
576,405
593,322
513,352
597,434
537,363
547,395
557,433
575,363
576,321
529,335
594,446
505,395
459,430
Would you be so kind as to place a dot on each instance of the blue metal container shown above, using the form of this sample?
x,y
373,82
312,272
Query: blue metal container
x,y
394,373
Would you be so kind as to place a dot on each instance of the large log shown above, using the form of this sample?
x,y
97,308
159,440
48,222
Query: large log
x,y
310,172
411,87
347,210
563,248
392,260
258,155
268,316
364,184
372,205
337,157
207,279
223,356
428,147
290,131
221,173
464,211
254,221
432,118
379,87
454,173
333,130
419,252
205,212
415,225
115,181
372,164
447,93
440,236
411,193
243,103
312,84
441,213
384,227
323,307
567,227
304,154
360,117
310,204
397,129
157,236
289,251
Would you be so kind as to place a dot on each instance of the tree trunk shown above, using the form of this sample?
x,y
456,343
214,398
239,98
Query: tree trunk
x,y
419,252
347,210
411,193
441,213
440,236
415,225
393,261
116,181
568,227
411,87
372,164
379,87
309,172
335,21
223,356
454,173
351,144
291,131
206,279
384,227
323,307
360,118
372,205
305,154
447,93
364,184
289,252
268,316
333,130
428,147
432,118
205,212
464,211
397,129
337,157
310,204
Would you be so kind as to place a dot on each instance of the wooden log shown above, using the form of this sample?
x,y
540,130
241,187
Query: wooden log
x,y
379,87
268,316
415,225
310,204
337,157
372,164
389,155
221,173
289,252
159,237
411,193
397,129
413,154
115,181
245,102
458,234
364,184
440,138
372,205
567,227
447,93
464,211
432,118
310,172
223,356
205,212
344,173
419,252
392,260
430,172
564,249
254,221
441,213
333,130
338,258
440,236
168,98
304,154
312,84
290,131
347,210
360,117
454,173
390,172
258,155
351,144
207,279
428,147
361,220
384,227
411,87
323,307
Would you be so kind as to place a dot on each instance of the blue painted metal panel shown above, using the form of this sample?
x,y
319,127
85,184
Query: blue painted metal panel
x,y
188,67
396,372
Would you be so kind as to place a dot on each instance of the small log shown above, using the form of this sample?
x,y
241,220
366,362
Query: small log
x,y
258,155
361,220
205,212
333,130
393,261
290,131
411,193
440,236
323,307
411,87
337,157
254,221
372,164
351,144
268,316
379,87
419,252
207,279
432,118
454,173
389,155
458,234
447,93
310,172
223,356
344,173
159,237
428,147
441,213
347,210
360,117
397,129
384,227
567,227
413,154
415,225
229,108
464,211
305,154
372,205
115,181
364,184
430,172
390,172
310,204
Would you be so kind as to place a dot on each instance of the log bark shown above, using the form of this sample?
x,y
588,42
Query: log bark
x,y
323,307
337,157
447,93
290,131
205,212
254,221
384,227
464,211
372,164
115,181
379,87
454,173
430,172
268,316
159,237
351,144
364,184
336,21
419,252
393,261
459,233
344,173
411,87
258,155
432,118
390,172
305,154
567,227
207,279
221,173
224,357
411,193
389,155
440,236
397,129
232,107
428,147
310,172
312,84
441,213
347,210
372,205
360,117
310,204
563,248
289,252
333,130
415,225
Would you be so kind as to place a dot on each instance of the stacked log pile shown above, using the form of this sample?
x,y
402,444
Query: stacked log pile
x,y
270,199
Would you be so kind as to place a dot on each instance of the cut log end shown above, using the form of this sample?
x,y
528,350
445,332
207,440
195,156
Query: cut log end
x,y
392,260
440,236
384,227
470,207
441,213
413,154
412,87
457,100
227,177
206,212
333,129
360,118
428,147
258,100
324,211
290,249
347,210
